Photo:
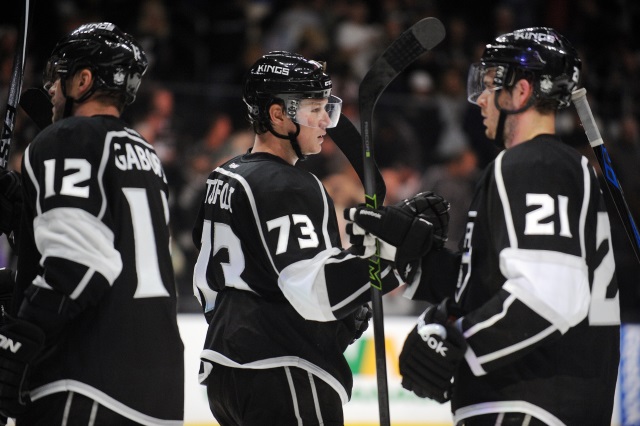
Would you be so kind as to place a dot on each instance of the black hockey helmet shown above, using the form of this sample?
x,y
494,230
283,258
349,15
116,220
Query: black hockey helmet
x,y
115,58
539,52
290,78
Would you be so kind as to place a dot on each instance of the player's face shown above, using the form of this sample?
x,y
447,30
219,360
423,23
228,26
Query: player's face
x,y
317,112
314,119
57,100
310,139
487,103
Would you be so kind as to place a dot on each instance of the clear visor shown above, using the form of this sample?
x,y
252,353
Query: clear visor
x,y
484,79
52,71
323,112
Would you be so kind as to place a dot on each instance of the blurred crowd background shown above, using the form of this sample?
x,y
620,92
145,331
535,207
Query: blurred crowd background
x,y
427,136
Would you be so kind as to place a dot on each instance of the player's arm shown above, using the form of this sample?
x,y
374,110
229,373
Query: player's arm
x,y
332,284
78,264
79,261
546,293
320,279
542,255
436,277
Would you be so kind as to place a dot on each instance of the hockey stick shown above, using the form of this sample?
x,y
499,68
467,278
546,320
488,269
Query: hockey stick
x,y
614,190
420,38
347,137
15,86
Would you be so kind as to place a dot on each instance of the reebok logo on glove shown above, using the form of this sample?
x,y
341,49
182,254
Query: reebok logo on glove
x,y
6,343
370,213
437,346
427,333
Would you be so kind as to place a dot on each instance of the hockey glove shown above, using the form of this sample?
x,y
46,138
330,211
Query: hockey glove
x,y
361,319
435,209
431,355
406,230
364,244
20,343
10,201
7,284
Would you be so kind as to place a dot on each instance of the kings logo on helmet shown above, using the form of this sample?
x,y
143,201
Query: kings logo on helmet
x,y
97,26
273,69
539,37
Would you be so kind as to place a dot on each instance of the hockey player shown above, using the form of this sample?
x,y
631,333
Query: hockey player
x,y
282,298
94,337
527,321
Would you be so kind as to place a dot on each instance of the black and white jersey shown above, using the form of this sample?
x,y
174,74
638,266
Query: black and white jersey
x,y
96,271
274,283
536,281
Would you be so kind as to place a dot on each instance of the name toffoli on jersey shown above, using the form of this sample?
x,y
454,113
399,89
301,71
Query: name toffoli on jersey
x,y
219,190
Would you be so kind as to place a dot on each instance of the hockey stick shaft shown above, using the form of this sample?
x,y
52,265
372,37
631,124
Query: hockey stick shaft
x,y
15,87
421,37
614,189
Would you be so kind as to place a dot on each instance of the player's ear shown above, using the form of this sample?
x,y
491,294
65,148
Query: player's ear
x,y
522,91
83,81
276,115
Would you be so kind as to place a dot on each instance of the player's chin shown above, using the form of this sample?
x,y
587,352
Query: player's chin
x,y
55,115
314,149
489,133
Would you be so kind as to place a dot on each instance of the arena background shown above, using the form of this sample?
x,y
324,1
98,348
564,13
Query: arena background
x,y
427,136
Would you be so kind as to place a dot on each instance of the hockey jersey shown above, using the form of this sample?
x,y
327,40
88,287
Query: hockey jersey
x,y
274,283
536,284
95,270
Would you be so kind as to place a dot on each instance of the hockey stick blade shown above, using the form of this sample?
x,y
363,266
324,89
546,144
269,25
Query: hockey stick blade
x,y
15,87
37,105
420,38
613,187
347,137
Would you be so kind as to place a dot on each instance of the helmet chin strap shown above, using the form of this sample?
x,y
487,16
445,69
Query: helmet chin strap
x,y
499,139
69,101
68,107
292,138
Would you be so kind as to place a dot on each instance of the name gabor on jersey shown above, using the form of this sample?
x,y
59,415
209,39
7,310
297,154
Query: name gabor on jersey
x,y
130,156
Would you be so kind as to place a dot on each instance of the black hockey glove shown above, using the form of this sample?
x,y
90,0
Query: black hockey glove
x,y
7,283
431,355
10,201
406,230
361,319
20,343
435,209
